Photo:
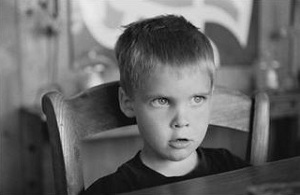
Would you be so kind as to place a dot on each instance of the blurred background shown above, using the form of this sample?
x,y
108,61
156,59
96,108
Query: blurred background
x,y
67,45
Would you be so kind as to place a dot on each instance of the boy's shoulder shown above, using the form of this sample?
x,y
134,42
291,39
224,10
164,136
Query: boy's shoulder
x,y
124,179
220,160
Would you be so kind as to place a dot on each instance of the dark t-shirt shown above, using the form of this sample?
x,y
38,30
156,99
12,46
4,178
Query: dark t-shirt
x,y
134,175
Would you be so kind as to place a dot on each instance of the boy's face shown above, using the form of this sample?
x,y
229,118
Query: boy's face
x,y
172,112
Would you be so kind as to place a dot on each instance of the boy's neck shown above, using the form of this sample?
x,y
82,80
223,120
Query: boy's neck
x,y
171,168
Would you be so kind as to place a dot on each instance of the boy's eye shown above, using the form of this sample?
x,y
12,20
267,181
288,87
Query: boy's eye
x,y
198,100
159,102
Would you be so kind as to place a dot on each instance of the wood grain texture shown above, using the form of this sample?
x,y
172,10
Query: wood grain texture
x,y
261,122
70,120
231,109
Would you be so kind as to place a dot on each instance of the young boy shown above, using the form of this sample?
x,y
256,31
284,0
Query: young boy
x,y
167,75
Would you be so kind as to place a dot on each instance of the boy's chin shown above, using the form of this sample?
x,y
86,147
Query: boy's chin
x,y
181,155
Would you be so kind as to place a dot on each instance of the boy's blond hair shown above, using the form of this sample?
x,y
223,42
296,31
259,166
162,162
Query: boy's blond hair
x,y
167,40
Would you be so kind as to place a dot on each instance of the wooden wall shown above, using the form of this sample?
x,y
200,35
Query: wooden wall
x,y
276,32
27,55
10,100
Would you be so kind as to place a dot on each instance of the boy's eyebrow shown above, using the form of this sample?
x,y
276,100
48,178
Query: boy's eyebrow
x,y
209,92
205,93
150,96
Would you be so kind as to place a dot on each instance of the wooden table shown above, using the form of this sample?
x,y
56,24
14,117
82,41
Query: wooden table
x,y
234,182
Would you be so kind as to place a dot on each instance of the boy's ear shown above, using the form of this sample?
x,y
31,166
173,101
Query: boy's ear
x,y
126,103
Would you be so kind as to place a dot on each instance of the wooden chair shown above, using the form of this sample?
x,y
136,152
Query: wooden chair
x,y
95,110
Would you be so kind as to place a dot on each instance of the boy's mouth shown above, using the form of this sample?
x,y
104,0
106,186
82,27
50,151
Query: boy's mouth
x,y
179,143
182,139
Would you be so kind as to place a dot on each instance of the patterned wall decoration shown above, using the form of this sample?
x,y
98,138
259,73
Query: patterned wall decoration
x,y
231,25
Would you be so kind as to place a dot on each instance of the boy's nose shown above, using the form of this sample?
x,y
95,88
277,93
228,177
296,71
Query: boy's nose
x,y
180,120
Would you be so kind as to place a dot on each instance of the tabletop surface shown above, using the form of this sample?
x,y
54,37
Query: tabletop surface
x,y
234,182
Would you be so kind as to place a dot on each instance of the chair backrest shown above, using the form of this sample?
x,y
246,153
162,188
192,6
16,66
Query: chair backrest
x,y
97,109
